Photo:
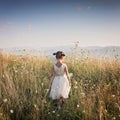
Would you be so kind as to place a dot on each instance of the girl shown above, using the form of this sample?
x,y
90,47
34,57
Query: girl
x,y
60,87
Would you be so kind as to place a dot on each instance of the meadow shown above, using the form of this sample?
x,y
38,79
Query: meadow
x,y
94,95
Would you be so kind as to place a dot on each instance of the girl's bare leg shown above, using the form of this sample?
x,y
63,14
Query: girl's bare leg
x,y
60,102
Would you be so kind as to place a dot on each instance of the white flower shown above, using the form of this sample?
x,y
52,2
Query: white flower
x,y
78,106
5,100
3,76
58,115
113,95
48,112
47,90
76,82
53,111
16,71
11,111
70,74
114,118
83,111
42,83
35,105
36,91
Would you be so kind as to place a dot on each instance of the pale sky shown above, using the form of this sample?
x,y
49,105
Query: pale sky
x,y
34,23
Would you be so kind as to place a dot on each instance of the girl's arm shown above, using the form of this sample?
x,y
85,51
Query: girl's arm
x,y
67,73
51,77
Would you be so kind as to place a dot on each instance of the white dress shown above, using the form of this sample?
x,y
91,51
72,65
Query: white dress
x,y
60,85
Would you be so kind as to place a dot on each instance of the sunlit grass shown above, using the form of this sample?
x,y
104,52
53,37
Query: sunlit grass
x,y
94,95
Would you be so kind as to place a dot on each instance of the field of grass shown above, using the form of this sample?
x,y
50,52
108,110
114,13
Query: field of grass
x,y
94,95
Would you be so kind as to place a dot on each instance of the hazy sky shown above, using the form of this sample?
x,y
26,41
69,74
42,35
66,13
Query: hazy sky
x,y
36,23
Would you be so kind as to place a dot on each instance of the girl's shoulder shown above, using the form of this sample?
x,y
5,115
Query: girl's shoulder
x,y
64,64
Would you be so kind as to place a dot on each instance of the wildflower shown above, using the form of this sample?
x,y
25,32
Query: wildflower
x,y
42,83
105,110
114,118
48,112
35,105
83,111
76,82
45,101
78,106
53,111
75,87
3,76
47,90
70,74
36,91
82,94
16,71
11,111
5,100
113,95
58,115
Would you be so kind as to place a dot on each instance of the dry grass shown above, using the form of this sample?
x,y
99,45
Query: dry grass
x,y
95,93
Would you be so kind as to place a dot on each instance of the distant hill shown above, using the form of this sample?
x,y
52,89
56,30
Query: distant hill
x,y
94,51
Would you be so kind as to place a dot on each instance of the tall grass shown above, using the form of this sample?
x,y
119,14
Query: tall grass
x,y
94,95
